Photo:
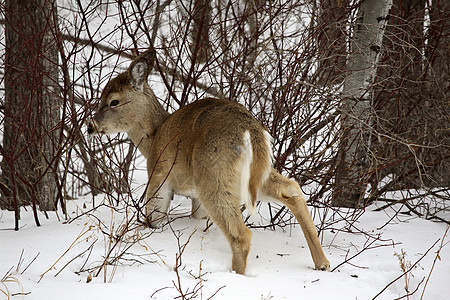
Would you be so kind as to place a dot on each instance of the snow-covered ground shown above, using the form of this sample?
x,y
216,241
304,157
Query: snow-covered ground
x,y
279,264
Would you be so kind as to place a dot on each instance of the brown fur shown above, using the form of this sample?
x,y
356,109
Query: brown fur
x,y
205,150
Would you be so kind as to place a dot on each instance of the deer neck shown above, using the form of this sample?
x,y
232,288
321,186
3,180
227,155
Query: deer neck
x,y
151,119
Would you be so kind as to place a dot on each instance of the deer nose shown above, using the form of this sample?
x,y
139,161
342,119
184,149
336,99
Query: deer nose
x,y
90,128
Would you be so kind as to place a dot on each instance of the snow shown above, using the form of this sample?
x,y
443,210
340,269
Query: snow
x,y
279,264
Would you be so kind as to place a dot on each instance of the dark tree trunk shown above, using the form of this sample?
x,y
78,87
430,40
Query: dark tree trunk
x,y
332,41
200,31
32,106
412,98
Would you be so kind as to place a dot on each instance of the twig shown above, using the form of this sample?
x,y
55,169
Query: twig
x,y
79,255
411,293
20,294
368,247
215,293
409,270
26,268
19,262
83,232
159,290
7,274
435,259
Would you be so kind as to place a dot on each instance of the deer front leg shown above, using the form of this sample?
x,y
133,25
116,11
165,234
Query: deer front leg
x,y
158,201
197,210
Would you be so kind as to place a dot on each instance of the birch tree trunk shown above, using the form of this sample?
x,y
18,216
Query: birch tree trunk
x,y
353,158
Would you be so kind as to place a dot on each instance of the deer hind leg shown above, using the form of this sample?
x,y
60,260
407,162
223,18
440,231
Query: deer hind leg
x,y
224,210
288,192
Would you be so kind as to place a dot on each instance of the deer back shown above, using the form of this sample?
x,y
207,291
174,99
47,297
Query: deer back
x,y
218,137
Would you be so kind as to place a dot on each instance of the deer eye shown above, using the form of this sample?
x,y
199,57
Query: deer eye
x,y
114,103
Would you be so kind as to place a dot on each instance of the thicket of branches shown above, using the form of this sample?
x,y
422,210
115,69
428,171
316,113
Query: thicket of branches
x,y
284,60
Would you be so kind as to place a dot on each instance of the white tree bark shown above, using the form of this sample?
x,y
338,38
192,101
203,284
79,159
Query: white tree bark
x,y
353,165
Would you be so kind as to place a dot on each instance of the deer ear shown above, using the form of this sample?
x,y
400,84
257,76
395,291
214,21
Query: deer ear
x,y
138,73
140,68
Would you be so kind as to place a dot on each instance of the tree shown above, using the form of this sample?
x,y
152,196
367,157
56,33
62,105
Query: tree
x,y
411,98
201,19
353,158
31,107
331,40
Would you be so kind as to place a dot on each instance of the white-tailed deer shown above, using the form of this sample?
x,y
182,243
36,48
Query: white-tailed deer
x,y
213,151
